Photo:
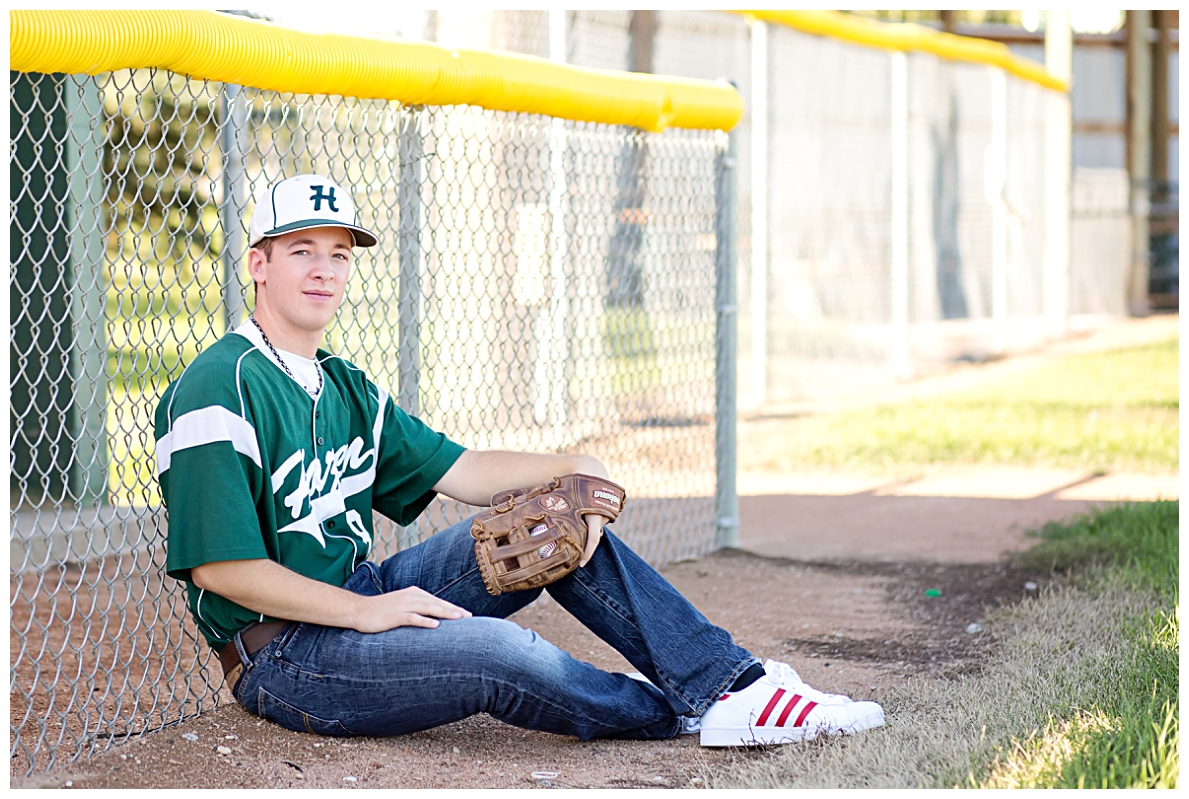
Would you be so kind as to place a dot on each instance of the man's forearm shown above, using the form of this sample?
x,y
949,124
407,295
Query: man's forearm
x,y
269,588
478,474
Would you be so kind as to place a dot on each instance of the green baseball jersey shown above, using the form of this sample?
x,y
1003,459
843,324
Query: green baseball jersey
x,y
251,466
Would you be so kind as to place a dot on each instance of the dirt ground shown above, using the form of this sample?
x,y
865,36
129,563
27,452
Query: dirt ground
x,y
831,577
850,626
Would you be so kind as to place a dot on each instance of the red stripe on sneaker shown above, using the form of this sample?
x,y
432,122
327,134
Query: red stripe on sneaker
x,y
804,713
771,706
784,714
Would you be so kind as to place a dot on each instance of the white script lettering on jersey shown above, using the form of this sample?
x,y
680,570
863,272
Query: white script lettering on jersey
x,y
324,488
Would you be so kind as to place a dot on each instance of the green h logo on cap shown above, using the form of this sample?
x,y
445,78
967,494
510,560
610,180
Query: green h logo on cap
x,y
318,197
303,202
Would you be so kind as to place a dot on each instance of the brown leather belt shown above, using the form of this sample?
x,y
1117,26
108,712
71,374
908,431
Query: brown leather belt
x,y
254,638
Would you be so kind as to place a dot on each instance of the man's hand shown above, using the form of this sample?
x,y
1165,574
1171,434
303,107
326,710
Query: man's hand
x,y
269,588
477,475
408,607
594,534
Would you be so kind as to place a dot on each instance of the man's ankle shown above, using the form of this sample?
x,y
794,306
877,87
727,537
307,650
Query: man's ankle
x,y
753,673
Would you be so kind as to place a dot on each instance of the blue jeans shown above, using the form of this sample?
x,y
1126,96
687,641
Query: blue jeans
x,y
336,681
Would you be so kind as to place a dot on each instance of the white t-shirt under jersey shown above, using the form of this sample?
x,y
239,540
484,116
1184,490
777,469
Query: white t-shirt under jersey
x,y
305,370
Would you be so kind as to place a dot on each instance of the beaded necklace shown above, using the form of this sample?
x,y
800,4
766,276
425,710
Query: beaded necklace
x,y
281,360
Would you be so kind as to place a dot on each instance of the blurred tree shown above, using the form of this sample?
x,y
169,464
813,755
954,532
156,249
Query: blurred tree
x,y
628,330
625,272
161,172
41,395
160,161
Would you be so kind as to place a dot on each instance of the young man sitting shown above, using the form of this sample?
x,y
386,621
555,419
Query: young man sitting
x,y
272,455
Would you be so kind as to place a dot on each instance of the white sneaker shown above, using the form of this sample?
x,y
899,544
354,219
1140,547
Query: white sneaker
x,y
689,724
779,708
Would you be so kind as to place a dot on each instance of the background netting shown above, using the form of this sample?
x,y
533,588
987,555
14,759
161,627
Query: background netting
x,y
827,301
540,285
830,303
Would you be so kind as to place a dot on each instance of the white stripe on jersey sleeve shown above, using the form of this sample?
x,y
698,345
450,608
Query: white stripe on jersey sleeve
x,y
207,426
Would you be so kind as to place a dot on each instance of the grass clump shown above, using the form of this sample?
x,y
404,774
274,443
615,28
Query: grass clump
x,y
1081,688
1101,411
1129,737
1136,542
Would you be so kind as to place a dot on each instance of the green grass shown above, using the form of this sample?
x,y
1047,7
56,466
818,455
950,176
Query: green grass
x,y
1129,736
1133,377
1134,542
1101,411
1080,689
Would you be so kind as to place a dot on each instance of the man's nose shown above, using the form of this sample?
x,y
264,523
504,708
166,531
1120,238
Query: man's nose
x,y
322,268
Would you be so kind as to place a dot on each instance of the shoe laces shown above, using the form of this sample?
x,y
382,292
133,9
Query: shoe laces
x,y
786,676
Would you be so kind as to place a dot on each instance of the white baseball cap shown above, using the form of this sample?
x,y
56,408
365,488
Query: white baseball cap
x,y
306,201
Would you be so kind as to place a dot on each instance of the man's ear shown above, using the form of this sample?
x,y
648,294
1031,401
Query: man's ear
x,y
256,262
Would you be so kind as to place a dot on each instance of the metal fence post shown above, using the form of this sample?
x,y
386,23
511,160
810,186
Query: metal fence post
x,y
900,361
235,115
83,159
1058,164
759,212
726,497
995,180
552,403
409,151
1139,158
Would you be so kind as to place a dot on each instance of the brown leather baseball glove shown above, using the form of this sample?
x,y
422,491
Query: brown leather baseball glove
x,y
533,537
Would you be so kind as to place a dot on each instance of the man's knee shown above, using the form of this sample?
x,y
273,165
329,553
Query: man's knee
x,y
508,646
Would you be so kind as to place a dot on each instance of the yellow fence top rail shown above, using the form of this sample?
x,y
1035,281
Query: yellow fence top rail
x,y
245,52
907,36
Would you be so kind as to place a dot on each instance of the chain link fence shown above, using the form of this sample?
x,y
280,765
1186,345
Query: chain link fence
x,y
709,45
902,196
540,284
907,224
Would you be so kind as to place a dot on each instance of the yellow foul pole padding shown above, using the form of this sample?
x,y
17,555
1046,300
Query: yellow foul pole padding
x,y
218,47
907,36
